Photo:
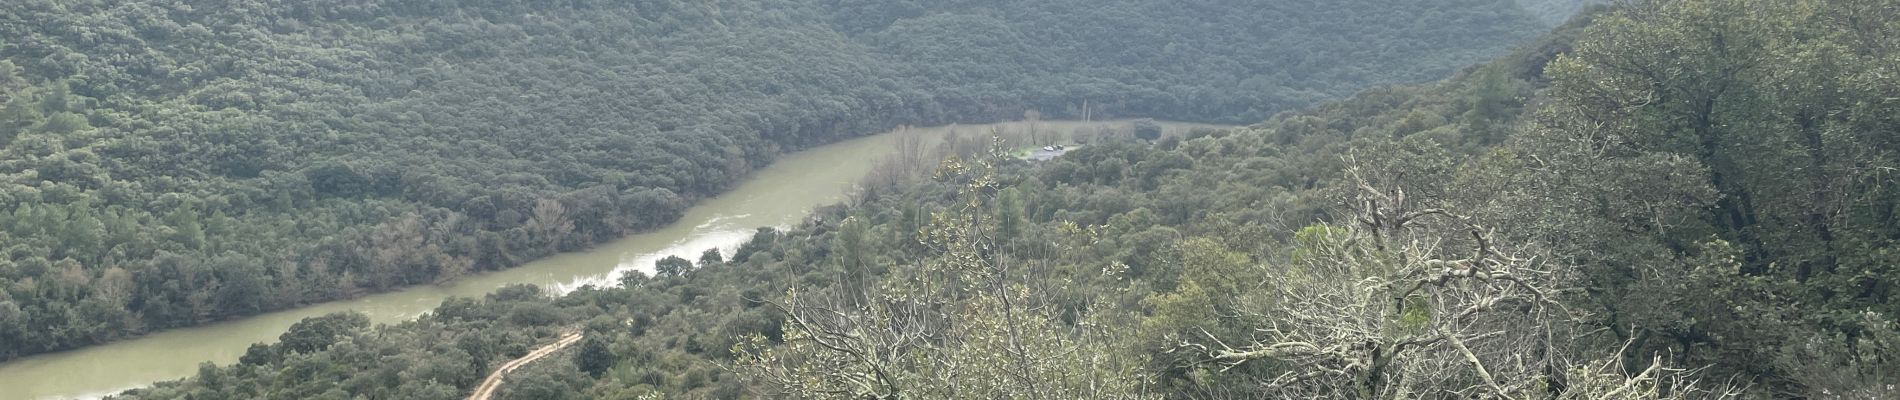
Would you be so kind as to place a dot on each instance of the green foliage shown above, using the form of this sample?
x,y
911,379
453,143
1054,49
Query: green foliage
x,y
1692,183
593,357
1147,130
318,333
960,323
1759,138
711,257
671,266
344,148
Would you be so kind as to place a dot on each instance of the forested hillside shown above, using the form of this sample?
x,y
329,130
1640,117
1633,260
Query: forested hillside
x,y
169,163
1675,199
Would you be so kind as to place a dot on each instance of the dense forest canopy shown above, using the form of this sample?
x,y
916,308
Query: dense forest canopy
x,y
169,163
1674,199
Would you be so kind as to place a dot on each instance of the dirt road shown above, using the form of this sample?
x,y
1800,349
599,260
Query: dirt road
x,y
493,382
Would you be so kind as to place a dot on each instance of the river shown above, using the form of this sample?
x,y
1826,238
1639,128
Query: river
x,y
778,195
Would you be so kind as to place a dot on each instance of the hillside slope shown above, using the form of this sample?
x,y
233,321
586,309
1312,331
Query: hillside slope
x,y
1554,224
169,163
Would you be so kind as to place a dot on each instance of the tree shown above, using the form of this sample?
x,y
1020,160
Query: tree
x,y
63,124
10,79
260,354
10,316
1388,308
1033,116
559,383
711,257
1763,114
337,179
593,357
241,286
1147,130
672,266
16,115
853,249
550,223
318,333
1009,216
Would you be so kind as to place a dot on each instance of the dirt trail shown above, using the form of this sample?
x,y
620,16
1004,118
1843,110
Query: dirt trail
x,y
493,382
